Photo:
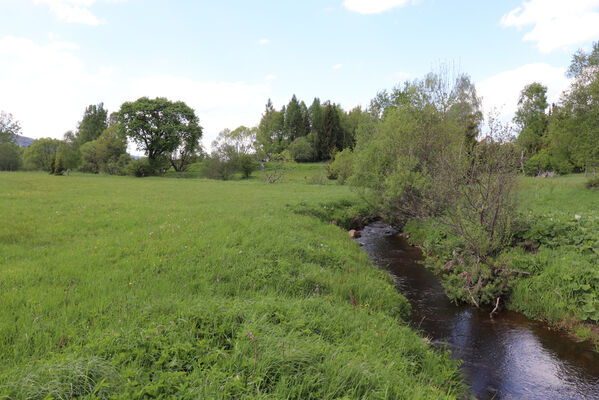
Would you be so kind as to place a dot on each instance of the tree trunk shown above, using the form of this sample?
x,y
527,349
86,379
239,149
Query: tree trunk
x,y
585,171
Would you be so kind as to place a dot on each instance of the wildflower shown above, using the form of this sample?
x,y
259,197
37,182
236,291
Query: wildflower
x,y
577,217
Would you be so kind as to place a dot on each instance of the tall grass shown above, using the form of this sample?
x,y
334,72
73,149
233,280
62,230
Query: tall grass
x,y
117,287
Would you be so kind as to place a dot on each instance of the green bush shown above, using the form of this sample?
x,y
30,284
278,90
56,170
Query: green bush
x,y
58,166
141,168
215,167
247,164
538,163
592,183
342,166
301,150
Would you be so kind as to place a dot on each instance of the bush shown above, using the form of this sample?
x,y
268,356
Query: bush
x,y
246,164
117,167
342,166
218,168
10,157
301,150
538,163
141,168
592,183
58,166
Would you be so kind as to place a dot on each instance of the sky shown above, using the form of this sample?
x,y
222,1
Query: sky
x,y
226,58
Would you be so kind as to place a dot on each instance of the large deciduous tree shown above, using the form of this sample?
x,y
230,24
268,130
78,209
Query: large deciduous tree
x,y
161,128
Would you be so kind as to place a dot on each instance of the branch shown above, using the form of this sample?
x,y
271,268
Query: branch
x,y
495,309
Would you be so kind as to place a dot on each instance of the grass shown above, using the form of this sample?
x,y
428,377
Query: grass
x,y
561,280
119,287
310,173
563,287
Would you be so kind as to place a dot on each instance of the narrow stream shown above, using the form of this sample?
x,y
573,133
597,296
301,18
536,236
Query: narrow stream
x,y
509,357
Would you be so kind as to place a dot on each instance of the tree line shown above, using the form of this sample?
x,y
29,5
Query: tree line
x,y
562,137
167,132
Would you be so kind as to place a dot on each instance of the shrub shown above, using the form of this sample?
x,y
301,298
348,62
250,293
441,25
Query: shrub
x,y
301,150
58,167
117,167
538,163
141,168
217,168
342,166
592,183
246,164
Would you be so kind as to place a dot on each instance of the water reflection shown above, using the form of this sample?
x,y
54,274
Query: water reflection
x,y
509,357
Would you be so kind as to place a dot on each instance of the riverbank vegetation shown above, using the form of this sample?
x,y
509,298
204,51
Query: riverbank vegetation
x,y
552,263
118,287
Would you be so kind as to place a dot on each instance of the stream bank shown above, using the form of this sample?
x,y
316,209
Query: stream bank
x,y
508,357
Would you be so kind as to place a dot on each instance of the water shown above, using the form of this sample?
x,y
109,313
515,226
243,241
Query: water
x,y
508,357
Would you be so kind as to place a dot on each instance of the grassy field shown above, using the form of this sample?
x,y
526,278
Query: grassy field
x,y
563,287
119,287
560,284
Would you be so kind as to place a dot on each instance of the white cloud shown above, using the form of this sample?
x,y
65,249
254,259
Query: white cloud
x,y
270,77
47,87
263,42
75,11
556,24
373,6
337,66
502,90
219,105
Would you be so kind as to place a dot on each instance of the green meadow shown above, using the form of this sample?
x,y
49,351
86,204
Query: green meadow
x,y
563,226
118,287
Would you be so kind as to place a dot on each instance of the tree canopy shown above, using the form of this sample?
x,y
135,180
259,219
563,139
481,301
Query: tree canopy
x,y
160,127
9,128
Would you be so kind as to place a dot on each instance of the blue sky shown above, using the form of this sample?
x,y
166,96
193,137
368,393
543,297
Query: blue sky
x,y
226,58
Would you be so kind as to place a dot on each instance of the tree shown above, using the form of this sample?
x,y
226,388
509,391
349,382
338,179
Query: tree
x,y
331,139
105,153
269,136
94,122
159,127
233,151
188,151
10,154
58,166
10,157
301,149
41,154
411,164
582,103
295,121
315,116
70,150
531,118
9,128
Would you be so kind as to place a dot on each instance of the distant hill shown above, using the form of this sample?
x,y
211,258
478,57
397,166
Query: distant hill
x,y
23,141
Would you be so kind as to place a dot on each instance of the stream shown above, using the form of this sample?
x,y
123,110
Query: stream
x,y
508,357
